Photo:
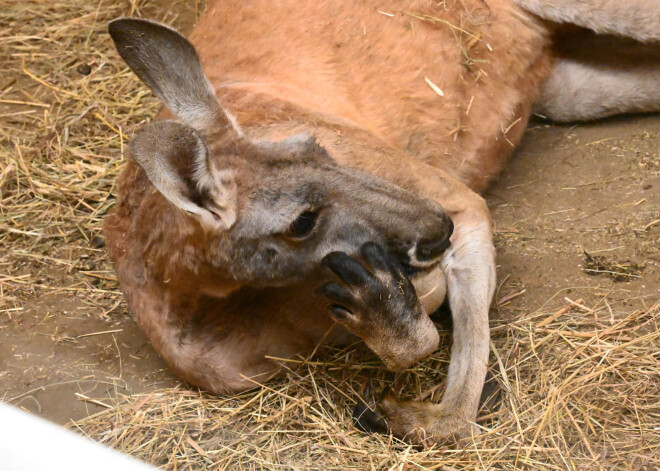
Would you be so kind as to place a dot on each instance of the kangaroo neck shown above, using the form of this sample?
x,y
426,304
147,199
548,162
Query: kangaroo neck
x,y
275,112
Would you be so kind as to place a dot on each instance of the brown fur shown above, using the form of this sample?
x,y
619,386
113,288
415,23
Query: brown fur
x,y
356,79
637,19
370,70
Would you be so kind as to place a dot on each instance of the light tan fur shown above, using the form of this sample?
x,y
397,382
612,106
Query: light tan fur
x,y
596,76
429,97
637,19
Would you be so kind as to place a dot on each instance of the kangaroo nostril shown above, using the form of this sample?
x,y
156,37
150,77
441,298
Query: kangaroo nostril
x,y
428,249
450,226
431,248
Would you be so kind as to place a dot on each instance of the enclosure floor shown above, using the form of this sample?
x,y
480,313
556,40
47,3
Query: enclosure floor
x,y
574,366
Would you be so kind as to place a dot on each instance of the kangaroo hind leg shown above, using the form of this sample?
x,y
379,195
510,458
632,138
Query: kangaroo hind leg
x,y
596,76
637,19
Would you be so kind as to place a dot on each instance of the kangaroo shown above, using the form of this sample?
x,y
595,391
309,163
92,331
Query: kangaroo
x,y
315,176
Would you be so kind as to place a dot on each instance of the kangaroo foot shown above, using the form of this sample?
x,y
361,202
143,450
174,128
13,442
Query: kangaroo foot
x,y
377,302
416,422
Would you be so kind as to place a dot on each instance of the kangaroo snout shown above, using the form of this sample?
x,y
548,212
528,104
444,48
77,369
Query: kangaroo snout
x,y
430,248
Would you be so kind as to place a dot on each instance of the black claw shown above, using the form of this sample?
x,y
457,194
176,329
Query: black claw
x,y
375,256
365,413
368,420
348,269
337,293
397,270
379,259
340,313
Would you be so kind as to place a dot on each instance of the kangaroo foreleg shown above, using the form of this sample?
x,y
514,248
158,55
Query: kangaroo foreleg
x,y
638,19
469,268
607,77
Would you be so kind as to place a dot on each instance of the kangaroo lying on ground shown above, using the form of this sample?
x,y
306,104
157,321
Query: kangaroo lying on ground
x,y
340,196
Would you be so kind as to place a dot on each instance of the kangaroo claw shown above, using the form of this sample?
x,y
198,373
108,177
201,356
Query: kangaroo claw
x,y
365,414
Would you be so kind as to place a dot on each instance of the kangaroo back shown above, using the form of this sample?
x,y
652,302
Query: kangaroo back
x,y
450,85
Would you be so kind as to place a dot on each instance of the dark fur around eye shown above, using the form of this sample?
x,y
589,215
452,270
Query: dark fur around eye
x,y
303,225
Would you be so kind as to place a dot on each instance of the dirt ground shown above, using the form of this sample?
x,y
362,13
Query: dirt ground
x,y
590,188
576,214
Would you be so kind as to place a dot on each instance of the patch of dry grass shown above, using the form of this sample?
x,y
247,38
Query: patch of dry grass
x,y
578,384
579,393
65,103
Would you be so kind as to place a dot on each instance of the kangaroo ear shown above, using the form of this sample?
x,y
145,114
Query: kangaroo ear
x,y
175,158
169,65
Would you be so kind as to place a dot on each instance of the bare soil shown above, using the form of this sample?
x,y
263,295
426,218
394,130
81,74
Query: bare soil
x,y
572,193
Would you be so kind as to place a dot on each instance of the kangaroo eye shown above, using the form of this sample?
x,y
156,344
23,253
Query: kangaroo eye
x,y
303,225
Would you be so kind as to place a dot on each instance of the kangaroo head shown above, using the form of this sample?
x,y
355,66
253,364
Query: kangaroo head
x,y
271,210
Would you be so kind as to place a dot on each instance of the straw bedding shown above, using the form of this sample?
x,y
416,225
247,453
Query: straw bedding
x,y
573,388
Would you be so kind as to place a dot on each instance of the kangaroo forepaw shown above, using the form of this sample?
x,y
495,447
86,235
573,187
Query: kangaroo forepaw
x,y
416,422
374,288
377,302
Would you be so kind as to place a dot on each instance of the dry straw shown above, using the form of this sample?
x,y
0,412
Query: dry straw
x,y
577,386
